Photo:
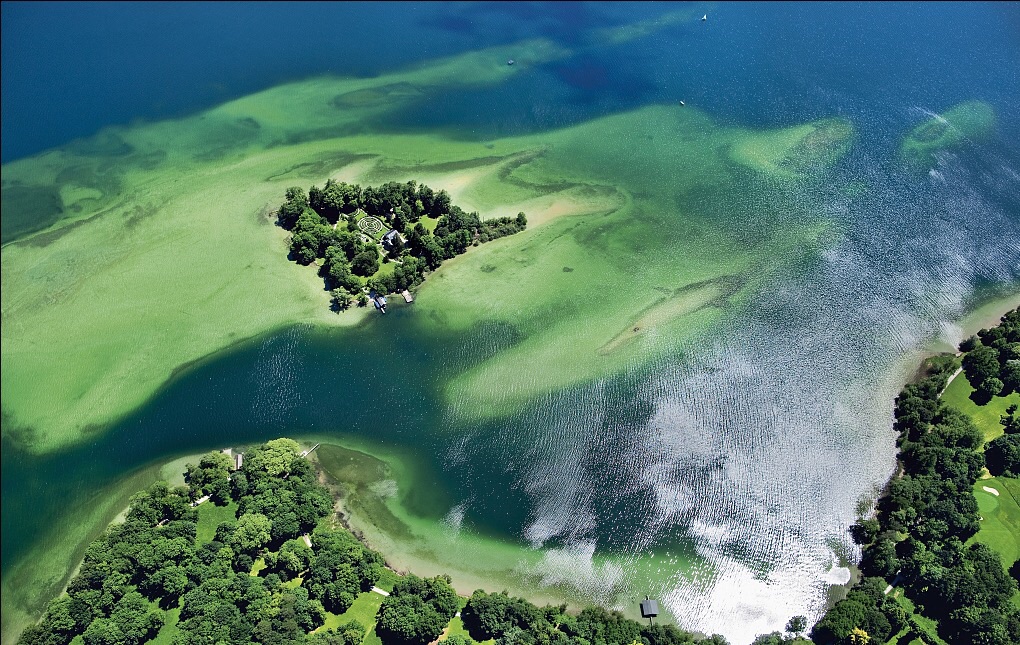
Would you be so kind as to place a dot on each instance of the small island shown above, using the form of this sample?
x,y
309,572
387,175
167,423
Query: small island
x,y
374,241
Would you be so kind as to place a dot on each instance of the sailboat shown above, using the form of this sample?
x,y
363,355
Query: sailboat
x,y
704,18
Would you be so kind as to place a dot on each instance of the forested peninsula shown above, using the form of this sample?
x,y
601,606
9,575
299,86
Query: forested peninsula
x,y
250,551
411,228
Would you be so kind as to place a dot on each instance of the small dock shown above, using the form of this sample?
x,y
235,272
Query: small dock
x,y
305,453
408,298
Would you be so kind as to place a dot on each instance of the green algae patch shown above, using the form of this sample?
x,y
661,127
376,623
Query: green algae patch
x,y
156,243
968,121
797,152
659,244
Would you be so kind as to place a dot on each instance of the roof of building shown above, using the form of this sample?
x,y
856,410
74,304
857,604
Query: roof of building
x,y
649,608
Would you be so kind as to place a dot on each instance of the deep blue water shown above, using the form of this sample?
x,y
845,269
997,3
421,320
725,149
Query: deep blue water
x,y
70,68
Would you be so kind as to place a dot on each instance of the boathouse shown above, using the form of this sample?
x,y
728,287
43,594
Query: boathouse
x,y
649,609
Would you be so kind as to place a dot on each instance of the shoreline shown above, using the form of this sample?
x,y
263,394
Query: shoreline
x,y
110,506
910,368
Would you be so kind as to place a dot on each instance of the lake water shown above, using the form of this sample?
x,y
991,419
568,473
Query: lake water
x,y
749,450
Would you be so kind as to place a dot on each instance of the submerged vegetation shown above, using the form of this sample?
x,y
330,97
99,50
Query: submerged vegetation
x,y
922,537
350,254
968,121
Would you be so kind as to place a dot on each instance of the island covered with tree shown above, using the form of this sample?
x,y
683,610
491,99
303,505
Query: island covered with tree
x,y
381,239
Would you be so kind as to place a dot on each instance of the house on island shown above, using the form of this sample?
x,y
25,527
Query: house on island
x,y
391,240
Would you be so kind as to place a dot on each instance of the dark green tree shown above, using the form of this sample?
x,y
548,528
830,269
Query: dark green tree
x,y
366,262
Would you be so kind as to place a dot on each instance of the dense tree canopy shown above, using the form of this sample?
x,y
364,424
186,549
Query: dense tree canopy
x,y
417,610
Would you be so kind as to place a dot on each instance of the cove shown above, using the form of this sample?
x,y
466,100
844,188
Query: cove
x,y
375,386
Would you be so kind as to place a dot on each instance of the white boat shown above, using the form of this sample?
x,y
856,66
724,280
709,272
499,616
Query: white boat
x,y
704,18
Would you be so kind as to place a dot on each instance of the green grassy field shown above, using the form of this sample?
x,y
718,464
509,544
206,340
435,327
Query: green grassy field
x,y
169,629
210,516
985,417
456,628
923,631
363,610
387,580
1000,517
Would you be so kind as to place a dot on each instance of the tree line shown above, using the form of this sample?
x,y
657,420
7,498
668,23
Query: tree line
x,y
256,580
918,536
324,226
515,621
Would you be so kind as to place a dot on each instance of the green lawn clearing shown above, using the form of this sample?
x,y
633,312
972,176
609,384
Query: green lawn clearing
x,y
210,516
1000,517
985,417
364,610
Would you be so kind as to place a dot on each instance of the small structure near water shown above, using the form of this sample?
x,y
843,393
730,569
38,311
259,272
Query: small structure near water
x,y
408,298
649,609
236,459
378,301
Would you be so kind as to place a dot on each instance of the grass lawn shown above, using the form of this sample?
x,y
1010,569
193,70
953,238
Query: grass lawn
x,y
985,417
429,223
387,580
169,630
210,516
256,569
364,609
456,626
928,626
385,268
1000,517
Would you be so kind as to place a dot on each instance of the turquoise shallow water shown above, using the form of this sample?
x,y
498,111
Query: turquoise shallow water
x,y
751,448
